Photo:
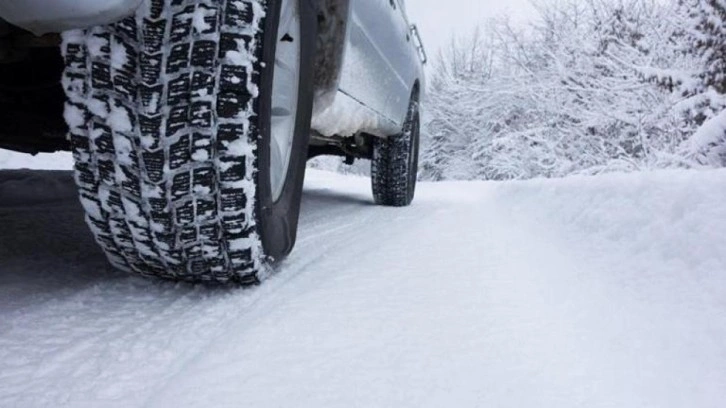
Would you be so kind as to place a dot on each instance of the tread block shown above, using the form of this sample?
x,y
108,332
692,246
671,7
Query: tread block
x,y
154,33
204,180
103,139
113,203
131,182
185,213
181,24
107,171
127,27
231,104
179,58
232,169
189,235
230,42
156,8
232,199
162,219
179,90
151,65
202,147
180,152
198,266
124,85
181,185
233,78
150,127
76,56
101,76
151,98
159,207
178,120
206,209
204,54
201,114
75,83
202,84
235,226
154,165
209,232
228,133
84,174
238,14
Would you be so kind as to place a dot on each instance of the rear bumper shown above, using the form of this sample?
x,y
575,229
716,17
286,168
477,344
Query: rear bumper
x,y
53,16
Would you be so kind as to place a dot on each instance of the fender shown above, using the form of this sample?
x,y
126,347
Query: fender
x,y
54,16
333,17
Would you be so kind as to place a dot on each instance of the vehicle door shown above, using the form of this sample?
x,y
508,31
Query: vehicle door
x,y
375,42
406,62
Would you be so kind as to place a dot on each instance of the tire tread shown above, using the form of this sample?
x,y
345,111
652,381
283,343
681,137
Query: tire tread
x,y
166,151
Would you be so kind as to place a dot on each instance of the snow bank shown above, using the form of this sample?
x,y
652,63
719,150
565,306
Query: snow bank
x,y
677,217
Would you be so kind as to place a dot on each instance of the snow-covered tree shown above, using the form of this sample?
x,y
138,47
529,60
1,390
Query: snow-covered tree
x,y
706,90
590,86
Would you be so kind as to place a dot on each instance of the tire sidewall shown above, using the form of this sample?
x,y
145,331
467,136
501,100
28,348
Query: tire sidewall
x,y
414,152
277,220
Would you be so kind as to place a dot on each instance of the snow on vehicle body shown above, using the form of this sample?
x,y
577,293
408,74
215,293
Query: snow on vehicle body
x,y
191,120
380,69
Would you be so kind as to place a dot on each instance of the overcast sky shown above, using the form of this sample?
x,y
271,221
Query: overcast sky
x,y
438,20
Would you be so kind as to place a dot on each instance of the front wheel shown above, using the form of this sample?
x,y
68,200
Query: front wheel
x,y
394,167
189,124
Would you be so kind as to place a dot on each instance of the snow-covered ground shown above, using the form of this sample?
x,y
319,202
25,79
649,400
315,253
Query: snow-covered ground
x,y
582,292
42,161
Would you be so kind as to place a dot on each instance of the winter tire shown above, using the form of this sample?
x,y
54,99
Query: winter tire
x,y
189,124
394,166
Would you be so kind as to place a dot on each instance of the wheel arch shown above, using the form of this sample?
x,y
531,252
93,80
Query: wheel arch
x,y
333,17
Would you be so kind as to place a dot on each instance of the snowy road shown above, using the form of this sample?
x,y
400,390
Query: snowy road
x,y
584,292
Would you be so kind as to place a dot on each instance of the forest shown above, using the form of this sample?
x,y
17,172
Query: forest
x,y
588,87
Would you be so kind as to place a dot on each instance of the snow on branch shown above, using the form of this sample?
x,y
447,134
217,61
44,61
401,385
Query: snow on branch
x,y
590,86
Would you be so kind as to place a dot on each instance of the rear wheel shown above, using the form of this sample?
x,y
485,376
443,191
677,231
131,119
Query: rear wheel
x,y
189,124
394,167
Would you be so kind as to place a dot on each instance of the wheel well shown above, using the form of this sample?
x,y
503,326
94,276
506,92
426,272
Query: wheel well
x,y
31,96
332,30
416,91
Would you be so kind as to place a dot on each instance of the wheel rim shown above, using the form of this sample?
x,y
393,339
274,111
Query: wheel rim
x,y
285,89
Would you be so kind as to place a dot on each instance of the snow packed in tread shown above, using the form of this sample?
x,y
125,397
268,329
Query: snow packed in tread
x,y
166,165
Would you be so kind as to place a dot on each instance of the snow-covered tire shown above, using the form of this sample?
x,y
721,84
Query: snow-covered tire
x,y
170,117
394,167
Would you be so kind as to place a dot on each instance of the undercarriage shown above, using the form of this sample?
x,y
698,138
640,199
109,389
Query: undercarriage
x,y
31,97
32,100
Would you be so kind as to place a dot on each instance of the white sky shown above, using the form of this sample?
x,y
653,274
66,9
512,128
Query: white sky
x,y
438,20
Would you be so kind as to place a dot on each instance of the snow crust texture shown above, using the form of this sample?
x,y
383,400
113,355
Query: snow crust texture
x,y
163,129
584,292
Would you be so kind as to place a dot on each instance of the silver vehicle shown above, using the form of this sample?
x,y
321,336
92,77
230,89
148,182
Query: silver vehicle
x,y
191,121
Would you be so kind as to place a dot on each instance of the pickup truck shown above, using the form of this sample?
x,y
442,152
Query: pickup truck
x,y
191,121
